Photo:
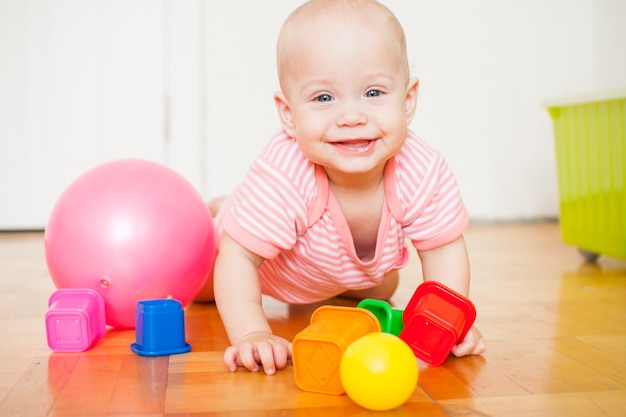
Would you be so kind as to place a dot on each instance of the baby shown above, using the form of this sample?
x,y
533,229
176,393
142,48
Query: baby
x,y
329,205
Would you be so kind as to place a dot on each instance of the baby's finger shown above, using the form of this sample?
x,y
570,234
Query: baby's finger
x,y
480,347
282,354
266,355
231,358
247,357
463,349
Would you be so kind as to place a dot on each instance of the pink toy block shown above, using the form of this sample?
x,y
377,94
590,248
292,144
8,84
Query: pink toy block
x,y
75,320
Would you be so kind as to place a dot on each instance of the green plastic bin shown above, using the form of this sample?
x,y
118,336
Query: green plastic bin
x,y
590,140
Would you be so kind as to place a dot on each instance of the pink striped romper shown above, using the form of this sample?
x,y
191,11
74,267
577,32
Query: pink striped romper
x,y
285,212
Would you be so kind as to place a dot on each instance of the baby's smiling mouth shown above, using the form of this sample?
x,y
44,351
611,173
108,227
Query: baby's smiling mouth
x,y
356,145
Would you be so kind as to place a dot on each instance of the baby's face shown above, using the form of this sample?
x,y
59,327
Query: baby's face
x,y
348,93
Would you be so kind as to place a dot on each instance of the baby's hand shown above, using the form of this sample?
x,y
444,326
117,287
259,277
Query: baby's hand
x,y
272,352
473,344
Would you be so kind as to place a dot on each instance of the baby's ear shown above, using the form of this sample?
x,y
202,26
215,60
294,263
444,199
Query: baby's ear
x,y
284,113
411,99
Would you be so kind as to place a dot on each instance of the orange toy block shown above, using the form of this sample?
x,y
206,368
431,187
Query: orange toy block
x,y
317,350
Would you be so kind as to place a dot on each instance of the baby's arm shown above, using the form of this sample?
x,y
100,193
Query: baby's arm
x,y
449,264
238,299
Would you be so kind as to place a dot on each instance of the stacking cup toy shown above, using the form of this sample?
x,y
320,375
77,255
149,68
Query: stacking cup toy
x,y
317,350
159,328
390,318
75,320
436,319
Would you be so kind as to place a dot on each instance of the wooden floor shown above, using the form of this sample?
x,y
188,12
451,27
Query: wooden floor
x,y
555,328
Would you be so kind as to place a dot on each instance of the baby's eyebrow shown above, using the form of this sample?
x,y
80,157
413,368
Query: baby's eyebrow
x,y
318,83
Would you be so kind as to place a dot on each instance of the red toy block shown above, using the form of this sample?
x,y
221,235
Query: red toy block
x,y
435,320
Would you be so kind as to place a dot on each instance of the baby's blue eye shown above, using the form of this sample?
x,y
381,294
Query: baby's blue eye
x,y
324,97
373,93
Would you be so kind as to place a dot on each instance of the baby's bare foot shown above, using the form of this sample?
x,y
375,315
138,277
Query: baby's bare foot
x,y
215,204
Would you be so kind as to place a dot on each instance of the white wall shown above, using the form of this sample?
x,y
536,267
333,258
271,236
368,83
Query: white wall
x,y
610,44
241,80
485,68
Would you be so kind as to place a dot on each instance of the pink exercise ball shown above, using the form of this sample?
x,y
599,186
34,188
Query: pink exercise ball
x,y
131,230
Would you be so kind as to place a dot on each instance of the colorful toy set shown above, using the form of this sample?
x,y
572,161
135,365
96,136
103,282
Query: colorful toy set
x,y
130,230
436,319
122,232
369,352
76,320
130,221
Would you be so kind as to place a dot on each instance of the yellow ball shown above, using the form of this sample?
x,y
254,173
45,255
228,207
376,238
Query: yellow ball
x,y
379,371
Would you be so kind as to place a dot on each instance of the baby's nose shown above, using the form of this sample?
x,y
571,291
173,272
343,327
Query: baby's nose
x,y
351,115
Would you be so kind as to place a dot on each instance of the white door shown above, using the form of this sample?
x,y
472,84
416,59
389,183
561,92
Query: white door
x,y
83,82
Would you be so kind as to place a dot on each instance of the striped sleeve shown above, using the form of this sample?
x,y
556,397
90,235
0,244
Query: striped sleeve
x,y
268,212
435,214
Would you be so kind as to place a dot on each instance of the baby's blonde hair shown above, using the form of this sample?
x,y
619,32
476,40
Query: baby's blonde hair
x,y
349,10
